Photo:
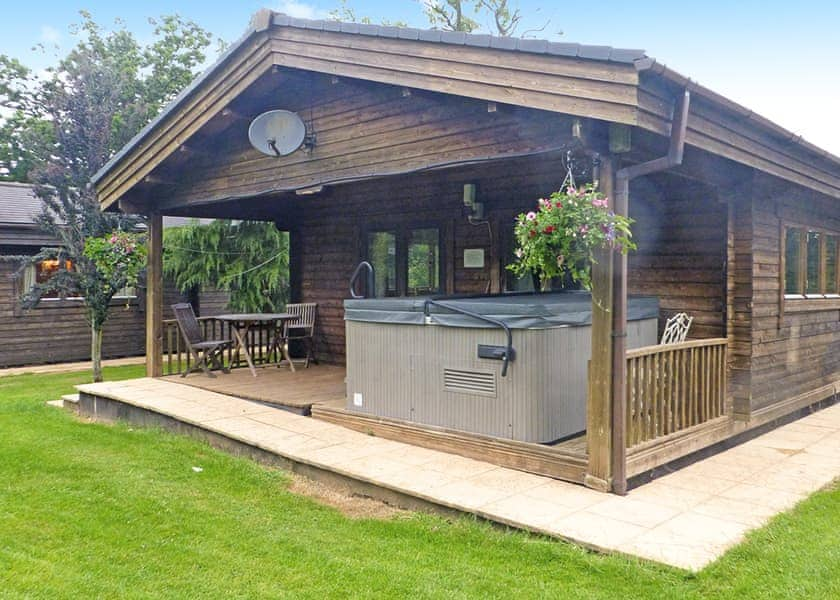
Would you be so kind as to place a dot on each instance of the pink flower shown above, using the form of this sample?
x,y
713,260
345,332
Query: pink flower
x,y
544,203
571,191
584,229
599,203
531,216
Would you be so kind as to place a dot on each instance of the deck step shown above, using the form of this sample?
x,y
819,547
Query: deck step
x,y
70,402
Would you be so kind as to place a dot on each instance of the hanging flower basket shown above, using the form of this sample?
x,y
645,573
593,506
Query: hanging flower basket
x,y
561,237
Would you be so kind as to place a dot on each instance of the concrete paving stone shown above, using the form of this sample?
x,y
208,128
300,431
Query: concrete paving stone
x,y
747,513
508,479
638,512
653,546
595,530
370,467
662,494
527,512
417,479
689,480
568,495
467,495
775,499
458,466
415,455
702,530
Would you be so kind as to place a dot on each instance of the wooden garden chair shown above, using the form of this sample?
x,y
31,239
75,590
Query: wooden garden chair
x,y
202,350
302,328
676,329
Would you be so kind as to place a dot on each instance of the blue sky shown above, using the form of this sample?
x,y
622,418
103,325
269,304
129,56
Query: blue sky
x,y
778,58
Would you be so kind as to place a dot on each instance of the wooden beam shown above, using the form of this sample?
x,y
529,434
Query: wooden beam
x,y
599,398
154,297
157,180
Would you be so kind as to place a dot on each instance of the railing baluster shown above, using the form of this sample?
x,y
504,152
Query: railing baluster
x,y
674,387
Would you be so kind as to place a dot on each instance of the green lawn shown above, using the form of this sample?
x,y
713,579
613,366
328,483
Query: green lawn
x,y
90,510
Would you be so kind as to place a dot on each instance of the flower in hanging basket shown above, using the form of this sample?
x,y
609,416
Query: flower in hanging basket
x,y
573,224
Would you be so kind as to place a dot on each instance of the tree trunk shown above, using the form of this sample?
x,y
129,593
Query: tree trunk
x,y
96,351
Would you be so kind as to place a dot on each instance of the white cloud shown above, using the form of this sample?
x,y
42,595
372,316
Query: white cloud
x,y
49,34
302,10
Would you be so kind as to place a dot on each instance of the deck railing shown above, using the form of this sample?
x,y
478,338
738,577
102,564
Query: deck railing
x,y
176,356
673,387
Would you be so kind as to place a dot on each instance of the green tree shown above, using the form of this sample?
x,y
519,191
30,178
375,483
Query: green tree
x,y
89,105
452,15
248,259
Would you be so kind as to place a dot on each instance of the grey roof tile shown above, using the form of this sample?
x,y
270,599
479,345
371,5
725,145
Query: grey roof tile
x,y
408,33
504,43
453,37
18,203
563,49
482,41
536,46
429,35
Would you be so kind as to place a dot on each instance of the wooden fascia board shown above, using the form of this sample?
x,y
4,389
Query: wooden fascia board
x,y
747,144
245,67
428,66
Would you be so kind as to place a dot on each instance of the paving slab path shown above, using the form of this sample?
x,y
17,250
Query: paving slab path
x,y
686,519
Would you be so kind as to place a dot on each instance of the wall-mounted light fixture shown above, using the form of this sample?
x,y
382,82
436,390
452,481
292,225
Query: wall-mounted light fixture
x,y
476,208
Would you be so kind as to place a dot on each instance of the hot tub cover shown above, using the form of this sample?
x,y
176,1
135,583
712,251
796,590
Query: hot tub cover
x,y
517,311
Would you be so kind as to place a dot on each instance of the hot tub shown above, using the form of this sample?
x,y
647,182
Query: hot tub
x,y
425,362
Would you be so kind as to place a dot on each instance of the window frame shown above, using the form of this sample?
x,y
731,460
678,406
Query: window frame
x,y
802,299
30,277
402,235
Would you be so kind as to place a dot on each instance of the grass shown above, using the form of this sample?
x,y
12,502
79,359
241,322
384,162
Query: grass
x,y
90,510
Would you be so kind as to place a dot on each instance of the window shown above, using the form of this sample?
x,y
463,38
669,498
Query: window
x,y
811,258
423,262
406,262
42,271
382,254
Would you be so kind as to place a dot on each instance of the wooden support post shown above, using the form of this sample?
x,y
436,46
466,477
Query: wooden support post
x,y
154,297
599,398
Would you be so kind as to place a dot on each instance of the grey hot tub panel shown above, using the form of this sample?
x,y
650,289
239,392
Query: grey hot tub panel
x,y
401,368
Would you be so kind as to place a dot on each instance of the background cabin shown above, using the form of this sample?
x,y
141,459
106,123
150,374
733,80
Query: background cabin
x,y
56,330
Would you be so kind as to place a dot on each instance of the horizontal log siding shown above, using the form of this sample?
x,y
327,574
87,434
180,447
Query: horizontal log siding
x,y
366,128
680,231
800,352
56,331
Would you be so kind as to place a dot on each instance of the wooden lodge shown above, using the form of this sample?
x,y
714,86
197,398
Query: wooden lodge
x,y
737,221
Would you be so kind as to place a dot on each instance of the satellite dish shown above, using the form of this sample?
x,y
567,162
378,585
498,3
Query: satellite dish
x,y
277,132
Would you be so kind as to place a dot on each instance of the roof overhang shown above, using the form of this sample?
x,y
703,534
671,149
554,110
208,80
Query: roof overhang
x,y
599,82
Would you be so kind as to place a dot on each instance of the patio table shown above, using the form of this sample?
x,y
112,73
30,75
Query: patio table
x,y
241,324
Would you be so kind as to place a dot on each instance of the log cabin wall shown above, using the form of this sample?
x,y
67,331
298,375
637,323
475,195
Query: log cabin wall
x,y
795,356
681,230
56,330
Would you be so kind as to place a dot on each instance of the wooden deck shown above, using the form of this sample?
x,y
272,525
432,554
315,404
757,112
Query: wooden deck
x,y
297,392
